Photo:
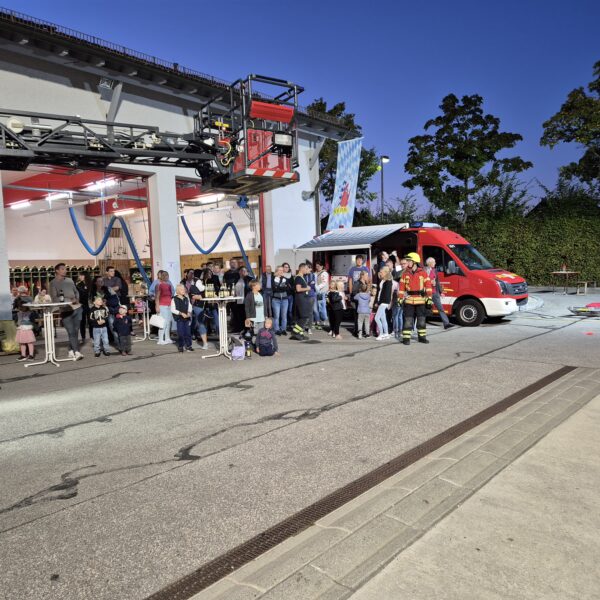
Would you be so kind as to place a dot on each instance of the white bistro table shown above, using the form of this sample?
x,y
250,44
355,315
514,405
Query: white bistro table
x,y
49,342
223,333
145,318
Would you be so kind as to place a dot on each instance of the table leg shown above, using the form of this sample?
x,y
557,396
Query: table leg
x,y
145,326
49,345
223,335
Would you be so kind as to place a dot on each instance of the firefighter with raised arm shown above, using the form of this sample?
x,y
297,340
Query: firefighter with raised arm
x,y
416,295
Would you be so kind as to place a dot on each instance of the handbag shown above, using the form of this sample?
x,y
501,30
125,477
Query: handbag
x,y
157,321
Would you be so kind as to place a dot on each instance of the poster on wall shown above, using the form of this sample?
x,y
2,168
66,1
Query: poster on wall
x,y
346,179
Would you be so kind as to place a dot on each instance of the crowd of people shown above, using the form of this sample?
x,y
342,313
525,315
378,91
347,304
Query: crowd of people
x,y
389,300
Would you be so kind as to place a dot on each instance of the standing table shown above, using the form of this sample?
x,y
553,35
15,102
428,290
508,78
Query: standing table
x,y
49,342
566,275
223,333
145,319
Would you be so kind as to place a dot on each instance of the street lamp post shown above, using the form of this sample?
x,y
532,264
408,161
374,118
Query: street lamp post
x,y
383,160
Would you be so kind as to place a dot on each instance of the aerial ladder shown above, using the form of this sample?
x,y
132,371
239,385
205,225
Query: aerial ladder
x,y
243,142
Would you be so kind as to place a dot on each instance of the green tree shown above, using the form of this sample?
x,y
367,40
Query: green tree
x,y
569,198
578,121
399,210
369,161
458,159
508,197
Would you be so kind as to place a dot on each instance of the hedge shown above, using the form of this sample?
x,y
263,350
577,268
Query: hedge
x,y
534,247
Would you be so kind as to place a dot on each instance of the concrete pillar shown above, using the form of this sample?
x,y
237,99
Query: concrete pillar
x,y
164,224
5,297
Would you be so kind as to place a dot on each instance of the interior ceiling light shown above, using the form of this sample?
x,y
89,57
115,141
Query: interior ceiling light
x,y
20,204
58,196
101,185
124,211
209,198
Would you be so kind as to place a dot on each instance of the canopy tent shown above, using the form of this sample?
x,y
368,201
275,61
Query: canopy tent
x,y
352,238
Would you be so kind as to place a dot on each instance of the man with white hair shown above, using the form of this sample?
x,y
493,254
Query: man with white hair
x,y
437,291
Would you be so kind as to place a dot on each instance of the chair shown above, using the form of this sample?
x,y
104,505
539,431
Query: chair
x,y
582,285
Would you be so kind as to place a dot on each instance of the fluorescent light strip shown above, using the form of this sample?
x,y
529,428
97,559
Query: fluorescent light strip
x,y
124,211
58,196
20,204
100,185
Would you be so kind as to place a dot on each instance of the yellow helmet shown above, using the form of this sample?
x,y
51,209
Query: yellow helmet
x,y
413,256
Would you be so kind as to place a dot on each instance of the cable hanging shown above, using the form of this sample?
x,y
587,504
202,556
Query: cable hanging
x,y
209,250
104,241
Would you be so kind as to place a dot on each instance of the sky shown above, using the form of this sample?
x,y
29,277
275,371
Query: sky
x,y
391,62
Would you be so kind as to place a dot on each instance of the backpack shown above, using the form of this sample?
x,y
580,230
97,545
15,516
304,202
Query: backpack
x,y
264,342
238,353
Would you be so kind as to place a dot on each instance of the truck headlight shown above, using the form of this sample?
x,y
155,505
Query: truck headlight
x,y
503,286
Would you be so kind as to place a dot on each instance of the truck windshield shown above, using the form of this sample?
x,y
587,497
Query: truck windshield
x,y
471,257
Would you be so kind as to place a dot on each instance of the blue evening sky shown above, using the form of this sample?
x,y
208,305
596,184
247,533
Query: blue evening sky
x,y
391,62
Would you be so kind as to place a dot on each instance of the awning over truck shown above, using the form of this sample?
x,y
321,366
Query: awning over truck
x,y
352,238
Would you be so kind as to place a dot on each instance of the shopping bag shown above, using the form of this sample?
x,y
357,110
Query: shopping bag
x,y
157,321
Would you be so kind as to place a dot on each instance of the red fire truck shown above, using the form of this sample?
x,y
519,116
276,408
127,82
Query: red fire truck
x,y
473,288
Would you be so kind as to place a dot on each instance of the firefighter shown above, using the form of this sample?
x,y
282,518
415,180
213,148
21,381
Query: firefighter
x,y
416,294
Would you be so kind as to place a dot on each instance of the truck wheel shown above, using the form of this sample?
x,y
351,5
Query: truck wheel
x,y
469,313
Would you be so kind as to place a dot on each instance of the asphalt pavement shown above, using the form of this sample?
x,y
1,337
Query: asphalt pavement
x,y
121,475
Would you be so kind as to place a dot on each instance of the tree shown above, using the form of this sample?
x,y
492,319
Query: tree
x,y
369,161
578,121
509,197
399,210
569,198
459,159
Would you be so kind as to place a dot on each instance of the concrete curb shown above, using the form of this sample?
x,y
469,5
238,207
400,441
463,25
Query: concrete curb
x,y
345,549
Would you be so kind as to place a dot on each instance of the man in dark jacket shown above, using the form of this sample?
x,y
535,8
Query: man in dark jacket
x,y
231,276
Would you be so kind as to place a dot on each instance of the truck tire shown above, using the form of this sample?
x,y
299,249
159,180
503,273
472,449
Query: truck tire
x,y
469,312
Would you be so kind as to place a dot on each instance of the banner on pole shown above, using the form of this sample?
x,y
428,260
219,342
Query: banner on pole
x,y
346,179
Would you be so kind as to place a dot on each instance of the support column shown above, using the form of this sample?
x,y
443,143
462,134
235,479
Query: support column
x,y
5,296
164,224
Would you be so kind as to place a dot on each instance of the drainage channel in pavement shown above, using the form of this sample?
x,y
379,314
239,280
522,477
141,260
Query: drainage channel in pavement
x,y
224,565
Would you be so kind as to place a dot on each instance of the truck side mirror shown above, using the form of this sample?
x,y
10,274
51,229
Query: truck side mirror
x,y
451,268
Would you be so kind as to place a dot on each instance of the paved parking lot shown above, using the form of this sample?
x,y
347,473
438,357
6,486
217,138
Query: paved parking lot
x,y
123,474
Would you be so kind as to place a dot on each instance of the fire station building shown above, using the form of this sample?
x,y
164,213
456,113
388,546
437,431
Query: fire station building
x,y
46,69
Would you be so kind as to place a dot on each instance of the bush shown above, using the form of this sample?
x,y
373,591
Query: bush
x,y
534,247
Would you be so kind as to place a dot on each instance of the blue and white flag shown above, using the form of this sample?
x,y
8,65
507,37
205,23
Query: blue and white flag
x,y
346,179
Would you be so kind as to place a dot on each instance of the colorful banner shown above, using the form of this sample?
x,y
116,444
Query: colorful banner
x,y
344,196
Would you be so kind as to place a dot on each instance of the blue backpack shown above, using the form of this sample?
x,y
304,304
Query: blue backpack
x,y
264,342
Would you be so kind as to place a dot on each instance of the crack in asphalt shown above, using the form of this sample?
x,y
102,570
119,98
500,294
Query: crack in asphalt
x,y
68,486
39,375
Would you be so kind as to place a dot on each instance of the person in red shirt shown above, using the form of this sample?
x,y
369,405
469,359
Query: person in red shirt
x,y
415,292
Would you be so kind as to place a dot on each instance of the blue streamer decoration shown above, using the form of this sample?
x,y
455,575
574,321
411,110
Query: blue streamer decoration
x,y
209,250
104,241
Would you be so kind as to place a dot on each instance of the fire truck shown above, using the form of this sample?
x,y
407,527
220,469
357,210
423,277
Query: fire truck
x,y
473,289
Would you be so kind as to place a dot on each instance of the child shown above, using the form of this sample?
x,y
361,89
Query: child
x,y
181,307
335,299
99,321
363,310
42,298
266,341
246,337
25,336
140,307
254,305
372,325
122,327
